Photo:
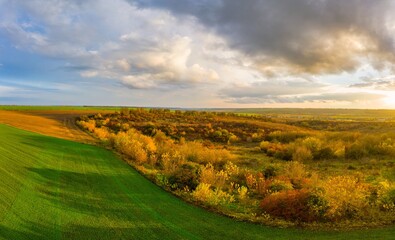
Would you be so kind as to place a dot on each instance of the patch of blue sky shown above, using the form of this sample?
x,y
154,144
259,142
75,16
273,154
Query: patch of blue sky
x,y
26,22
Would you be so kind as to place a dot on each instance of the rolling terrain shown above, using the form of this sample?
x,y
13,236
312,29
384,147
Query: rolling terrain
x,y
58,189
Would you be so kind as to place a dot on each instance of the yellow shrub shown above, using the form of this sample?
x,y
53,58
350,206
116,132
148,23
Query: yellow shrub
x,y
302,154
338,149
264,145
386,195
89,125
204,193
346,196
242,192
102,133
231,168
196,152
171,162
312,143
208,175
148,143
220,179
135,145
294,170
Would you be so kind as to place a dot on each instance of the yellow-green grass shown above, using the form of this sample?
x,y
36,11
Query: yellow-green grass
x,y
57,189
61,126
65,108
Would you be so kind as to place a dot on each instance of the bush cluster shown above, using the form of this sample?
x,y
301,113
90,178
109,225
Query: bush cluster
x,y
207,173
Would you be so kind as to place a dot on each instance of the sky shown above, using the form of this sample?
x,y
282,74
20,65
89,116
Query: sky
x,y
198,54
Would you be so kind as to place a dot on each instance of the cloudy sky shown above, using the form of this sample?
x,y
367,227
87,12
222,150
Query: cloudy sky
x,y
206,53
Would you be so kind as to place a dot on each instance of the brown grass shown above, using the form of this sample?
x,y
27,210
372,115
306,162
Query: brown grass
x,y
55,123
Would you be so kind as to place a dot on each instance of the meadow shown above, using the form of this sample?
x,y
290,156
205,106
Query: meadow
x,y
240,165
58,189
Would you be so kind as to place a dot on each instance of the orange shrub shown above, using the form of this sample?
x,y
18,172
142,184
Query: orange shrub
x,y
102,133
89,125
290,205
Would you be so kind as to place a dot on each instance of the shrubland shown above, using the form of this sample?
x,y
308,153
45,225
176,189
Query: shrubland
x,y
203,157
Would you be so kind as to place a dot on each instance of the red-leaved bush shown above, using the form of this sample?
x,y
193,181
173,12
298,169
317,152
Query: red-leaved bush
x,y
290,205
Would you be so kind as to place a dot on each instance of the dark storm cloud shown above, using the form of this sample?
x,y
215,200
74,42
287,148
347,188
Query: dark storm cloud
x,y
321,36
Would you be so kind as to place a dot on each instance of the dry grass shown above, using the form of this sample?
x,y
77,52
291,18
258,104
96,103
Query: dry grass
x,y
55,123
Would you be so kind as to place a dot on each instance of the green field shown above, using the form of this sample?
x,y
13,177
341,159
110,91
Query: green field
x,y
57,189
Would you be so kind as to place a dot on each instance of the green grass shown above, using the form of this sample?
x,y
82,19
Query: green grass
x,y
57,189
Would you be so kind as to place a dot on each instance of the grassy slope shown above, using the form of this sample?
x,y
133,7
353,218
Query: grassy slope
x,y
57,189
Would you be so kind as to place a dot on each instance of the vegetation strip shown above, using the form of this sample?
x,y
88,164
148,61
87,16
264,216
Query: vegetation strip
x,y
207,158
92,203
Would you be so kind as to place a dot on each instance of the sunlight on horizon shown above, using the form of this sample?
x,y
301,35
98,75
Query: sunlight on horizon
x,y
389,101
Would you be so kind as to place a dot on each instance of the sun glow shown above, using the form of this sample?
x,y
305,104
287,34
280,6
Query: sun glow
x,y
390,100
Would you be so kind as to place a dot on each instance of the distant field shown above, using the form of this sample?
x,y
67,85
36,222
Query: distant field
x,y
309,113
49,123
80,108
57,189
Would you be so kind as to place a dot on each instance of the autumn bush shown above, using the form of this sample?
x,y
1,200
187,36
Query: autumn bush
x,y
347,197
196,152
277,150
102,133
215,178
185,177
386,196
191,153
302,154
286,136
205,193
135,145
293,205
89,125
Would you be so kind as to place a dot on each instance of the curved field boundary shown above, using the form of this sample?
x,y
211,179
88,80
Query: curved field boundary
x,y
53,123
57,189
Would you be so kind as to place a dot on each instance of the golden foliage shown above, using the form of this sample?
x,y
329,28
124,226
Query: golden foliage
x,y
204,193
210,176
346,196
102,133
302,154
242,191
135,145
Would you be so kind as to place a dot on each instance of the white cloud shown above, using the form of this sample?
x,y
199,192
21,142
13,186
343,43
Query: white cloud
x,y
117,40
6,89
88,74
148,47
